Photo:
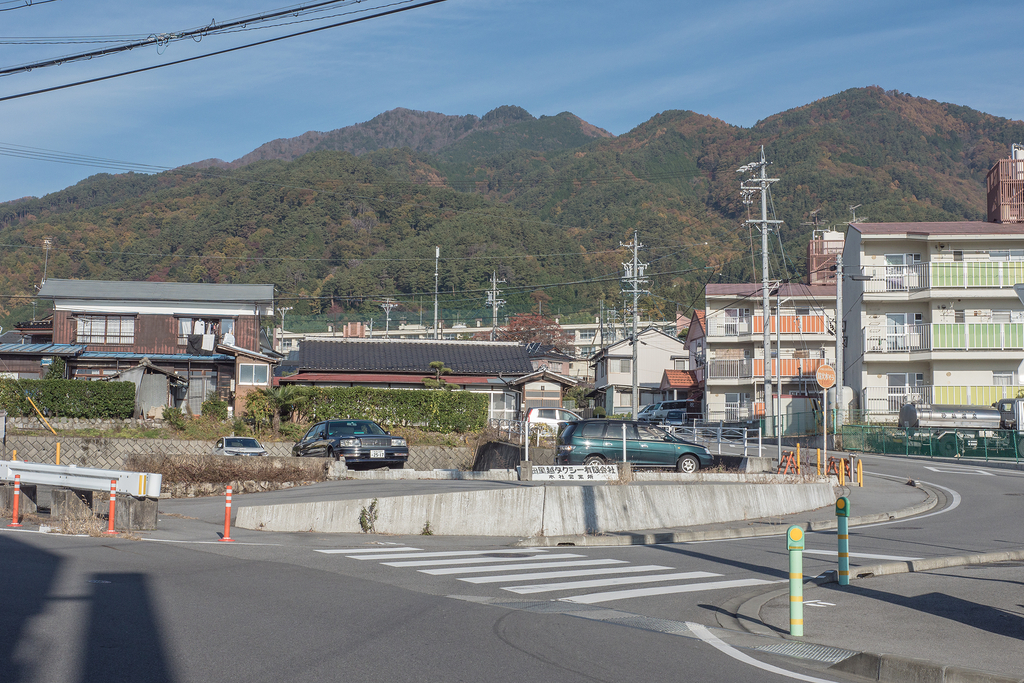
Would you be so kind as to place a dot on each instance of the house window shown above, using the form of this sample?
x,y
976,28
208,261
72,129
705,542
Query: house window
x,y
958,255
679,364
587,335
218,326
620,365
1002,377
105,329
249,373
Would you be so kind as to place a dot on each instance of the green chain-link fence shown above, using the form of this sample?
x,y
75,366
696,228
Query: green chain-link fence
x,y
936,443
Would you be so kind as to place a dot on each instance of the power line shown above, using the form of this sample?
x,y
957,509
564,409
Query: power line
x,y
222,52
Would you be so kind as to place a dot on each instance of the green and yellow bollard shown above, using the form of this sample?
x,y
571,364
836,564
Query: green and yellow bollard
x,y
795,544
843,532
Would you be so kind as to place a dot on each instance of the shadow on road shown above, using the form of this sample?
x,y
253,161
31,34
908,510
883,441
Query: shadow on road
x,y
29,574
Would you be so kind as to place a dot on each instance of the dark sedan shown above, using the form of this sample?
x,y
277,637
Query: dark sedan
x,y
359,442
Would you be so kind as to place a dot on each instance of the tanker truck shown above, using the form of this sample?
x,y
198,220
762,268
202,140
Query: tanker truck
x,y
958,428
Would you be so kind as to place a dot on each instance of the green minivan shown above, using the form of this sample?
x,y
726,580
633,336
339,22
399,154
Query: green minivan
x,y
597,442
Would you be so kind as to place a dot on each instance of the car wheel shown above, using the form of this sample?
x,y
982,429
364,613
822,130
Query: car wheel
x,y
330,452
687,464
593,460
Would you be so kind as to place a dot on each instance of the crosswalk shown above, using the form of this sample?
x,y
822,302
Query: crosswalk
x,y
569,576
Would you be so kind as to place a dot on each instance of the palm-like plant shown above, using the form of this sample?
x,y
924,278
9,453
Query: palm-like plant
x,y
285,398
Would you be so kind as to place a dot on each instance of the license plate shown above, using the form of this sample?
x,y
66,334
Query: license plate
x,y
376,454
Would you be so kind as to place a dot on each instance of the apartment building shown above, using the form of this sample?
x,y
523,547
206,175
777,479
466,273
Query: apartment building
x,y
933,312
802,323
937,320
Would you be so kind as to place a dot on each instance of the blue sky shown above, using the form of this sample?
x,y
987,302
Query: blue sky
x,y
614,64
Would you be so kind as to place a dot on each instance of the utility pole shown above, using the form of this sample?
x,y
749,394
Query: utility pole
x,y
634,277
47,243
838,421
388,305
437,257
493,302
758,183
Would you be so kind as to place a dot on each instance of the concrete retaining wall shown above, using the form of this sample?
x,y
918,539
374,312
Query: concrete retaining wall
x,y
548,510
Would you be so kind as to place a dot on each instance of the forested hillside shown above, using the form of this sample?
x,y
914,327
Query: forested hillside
x,y
543,202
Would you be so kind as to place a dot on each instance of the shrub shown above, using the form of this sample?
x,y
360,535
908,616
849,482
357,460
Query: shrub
x,y
213,406
174,417
68,398
599,412
436,411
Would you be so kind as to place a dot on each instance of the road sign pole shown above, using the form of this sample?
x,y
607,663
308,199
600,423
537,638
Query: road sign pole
x,y
795,544
843,522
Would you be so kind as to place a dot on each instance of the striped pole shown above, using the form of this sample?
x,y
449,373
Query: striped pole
x,y
795,544
843,521
860,472
113,505
227,517
58,452
17,498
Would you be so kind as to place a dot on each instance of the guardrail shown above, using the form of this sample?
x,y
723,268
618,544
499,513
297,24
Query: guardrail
x,y
140,484
721,433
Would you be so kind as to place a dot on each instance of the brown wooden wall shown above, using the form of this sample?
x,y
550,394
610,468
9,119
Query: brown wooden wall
x,y
153,334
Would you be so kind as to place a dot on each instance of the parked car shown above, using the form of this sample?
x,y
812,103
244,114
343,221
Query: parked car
x,y
597,442
551,419
674,418
359,442
238,445
647,411
659,413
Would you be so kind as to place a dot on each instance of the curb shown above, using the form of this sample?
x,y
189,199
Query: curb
x,y
746,614
620,539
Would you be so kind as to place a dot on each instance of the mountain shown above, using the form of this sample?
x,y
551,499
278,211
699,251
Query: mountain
x,y
503,128
354,215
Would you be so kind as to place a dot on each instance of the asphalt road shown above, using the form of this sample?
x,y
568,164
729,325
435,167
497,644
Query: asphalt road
x,y
370,608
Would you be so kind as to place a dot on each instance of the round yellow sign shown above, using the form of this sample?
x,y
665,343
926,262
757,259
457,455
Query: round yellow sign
x,y
796,534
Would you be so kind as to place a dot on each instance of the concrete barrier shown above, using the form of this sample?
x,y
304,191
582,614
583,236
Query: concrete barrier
x,y
547,510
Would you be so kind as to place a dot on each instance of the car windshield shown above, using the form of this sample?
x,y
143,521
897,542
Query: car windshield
x,y
349,428
242,443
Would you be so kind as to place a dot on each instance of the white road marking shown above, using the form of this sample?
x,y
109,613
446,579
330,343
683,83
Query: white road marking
x,y
867,556
596,583
959,471
511,567
471,560
565,574
338,551
593,598
359,555
819,603
714,641
952,506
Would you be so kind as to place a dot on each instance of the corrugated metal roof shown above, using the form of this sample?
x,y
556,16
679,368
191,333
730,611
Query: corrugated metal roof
x,y
154,291
43,349
124,355
754,290
381,378
463,357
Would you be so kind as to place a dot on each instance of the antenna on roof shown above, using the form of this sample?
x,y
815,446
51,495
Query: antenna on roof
x,y
853,210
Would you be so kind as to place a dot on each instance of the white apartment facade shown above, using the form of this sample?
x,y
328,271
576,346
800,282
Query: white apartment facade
x,y
933,317
613,369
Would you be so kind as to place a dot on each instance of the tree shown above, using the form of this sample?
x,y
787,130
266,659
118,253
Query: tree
x,y
285,398
437,381
529,328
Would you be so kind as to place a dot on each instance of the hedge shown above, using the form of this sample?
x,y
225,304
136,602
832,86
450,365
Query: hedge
x,y
68,398
434,410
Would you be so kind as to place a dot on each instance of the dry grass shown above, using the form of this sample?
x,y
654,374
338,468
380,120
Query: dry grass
x,y
211,469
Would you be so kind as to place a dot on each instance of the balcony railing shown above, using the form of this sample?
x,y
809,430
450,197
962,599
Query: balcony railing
x,y
753,368
787,324
945,337
938,274
889,400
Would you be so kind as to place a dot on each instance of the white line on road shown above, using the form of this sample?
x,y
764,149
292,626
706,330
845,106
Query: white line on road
x,y
592,598
952,506
450,553
471,560
334,551
596,583
959,471
866,556
511,567
565,574
714,641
